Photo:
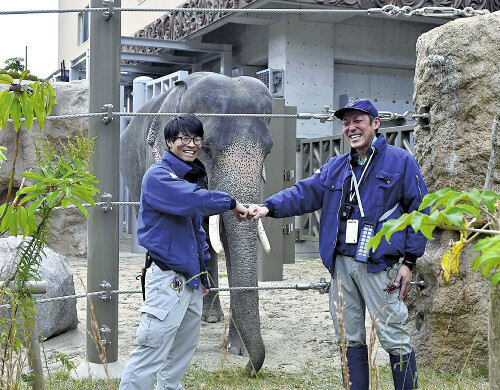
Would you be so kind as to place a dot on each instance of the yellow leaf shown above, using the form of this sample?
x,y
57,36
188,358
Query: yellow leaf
x,y
451,259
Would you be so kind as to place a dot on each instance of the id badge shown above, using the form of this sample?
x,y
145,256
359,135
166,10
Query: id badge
x,y
351,232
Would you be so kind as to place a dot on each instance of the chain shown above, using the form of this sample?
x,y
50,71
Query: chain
x,y
325,116
390,11
321,287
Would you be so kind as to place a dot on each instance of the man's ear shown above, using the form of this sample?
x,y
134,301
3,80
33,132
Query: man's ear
x,y
376,123
170,144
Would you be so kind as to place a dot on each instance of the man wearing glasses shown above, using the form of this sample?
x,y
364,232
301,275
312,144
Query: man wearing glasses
x,y
172,206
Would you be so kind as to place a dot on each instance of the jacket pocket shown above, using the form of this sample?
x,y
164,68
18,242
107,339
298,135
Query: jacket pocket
x,y
387,188
160,299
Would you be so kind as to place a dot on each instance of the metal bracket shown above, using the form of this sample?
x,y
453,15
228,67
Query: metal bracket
x,y
106,198
110,12
105,331
423,117
109,114
326,111
106,286
288,228
288,174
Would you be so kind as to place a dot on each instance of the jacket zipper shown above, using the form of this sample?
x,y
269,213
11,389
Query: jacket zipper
x,y
418,186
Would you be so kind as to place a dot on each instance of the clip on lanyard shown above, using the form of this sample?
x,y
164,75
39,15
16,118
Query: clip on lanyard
x,y
355,182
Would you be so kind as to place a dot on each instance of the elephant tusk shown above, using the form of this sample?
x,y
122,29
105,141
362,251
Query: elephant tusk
x,y
261,233
213,233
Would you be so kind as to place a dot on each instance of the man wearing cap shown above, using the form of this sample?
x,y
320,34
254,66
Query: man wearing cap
x,y
357,192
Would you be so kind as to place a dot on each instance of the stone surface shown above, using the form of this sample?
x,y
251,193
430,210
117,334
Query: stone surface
x,y
68,235
54,317
457,78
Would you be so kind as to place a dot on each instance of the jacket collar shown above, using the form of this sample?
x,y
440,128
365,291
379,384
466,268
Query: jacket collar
x,y
378,146
182,168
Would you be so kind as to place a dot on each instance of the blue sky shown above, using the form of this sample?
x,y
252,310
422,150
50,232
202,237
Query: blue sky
x,y
36,31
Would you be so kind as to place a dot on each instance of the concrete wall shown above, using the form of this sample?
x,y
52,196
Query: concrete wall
x,y
305,51
68,46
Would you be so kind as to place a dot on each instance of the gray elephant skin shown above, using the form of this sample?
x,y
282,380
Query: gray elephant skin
x,y
233,152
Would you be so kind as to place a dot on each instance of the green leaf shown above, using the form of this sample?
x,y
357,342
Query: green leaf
x,y
24,74
6,79
5,109
485,243
51,98
23,220
31,196
83,195
455,214
27,108
77,203
52,198
64,203
35,205
32,175
427,226
495,278
490,262
416,221
475,197
25,190
15,113
488,198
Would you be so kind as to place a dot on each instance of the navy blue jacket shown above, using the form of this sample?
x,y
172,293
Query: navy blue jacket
x,y
170,216
393,178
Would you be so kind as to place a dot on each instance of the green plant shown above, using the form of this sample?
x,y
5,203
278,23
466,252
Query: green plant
x,y
64,179
475,214
14,64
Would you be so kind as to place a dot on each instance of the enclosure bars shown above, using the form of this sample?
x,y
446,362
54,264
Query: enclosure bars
x,y
102,236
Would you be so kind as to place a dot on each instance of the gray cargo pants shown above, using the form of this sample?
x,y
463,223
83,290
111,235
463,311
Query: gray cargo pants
x,y
167,336
360,291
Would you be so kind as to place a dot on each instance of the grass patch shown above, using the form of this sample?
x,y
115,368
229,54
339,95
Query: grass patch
x,y
321,375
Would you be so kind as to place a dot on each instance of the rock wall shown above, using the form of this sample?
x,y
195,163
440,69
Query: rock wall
x,y
68,235
457,78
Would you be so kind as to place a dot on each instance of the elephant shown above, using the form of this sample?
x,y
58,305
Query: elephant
x,y
233,152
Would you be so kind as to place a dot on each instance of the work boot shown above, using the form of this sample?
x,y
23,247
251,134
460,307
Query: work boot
x,y
359,370
404,371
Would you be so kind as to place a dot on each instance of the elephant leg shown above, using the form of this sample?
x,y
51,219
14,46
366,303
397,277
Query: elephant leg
x,y
212,310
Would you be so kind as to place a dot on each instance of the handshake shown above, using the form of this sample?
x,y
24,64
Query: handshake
x,y
252,213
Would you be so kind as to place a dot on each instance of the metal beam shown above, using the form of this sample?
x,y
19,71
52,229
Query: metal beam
x,y
102,233
175,45
158,58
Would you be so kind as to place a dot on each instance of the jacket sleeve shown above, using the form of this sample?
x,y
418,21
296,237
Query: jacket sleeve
x,y
168,194
303,197
414,189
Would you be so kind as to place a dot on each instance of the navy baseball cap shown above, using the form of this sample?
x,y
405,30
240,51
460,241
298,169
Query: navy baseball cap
x,y
363,105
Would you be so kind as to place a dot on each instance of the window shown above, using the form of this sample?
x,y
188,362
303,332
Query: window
x,y
83,27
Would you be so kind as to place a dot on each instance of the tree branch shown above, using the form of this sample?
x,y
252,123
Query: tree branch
x,y
490,172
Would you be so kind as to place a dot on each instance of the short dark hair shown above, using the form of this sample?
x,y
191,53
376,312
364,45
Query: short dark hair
x,y
185,124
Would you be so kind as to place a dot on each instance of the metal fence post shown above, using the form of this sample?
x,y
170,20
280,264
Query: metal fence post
x,y
102,257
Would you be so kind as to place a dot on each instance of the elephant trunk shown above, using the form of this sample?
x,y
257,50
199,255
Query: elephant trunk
x,y
238,172
244,330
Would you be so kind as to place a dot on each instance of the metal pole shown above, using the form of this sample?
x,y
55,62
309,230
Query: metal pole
x,y
102,236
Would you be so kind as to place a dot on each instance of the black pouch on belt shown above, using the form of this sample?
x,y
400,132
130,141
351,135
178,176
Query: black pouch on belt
x,y
147,264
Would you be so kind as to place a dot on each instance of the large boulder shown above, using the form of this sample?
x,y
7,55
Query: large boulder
x,y
457,79
54,317
68,233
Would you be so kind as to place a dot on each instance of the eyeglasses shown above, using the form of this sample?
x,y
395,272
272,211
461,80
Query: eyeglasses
x,y
187,140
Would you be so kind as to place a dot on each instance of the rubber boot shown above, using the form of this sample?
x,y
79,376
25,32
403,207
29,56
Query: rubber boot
x,y
404,371
359,370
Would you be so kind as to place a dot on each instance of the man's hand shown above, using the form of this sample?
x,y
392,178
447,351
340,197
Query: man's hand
x,y
205,290
403,279
240,212
255,212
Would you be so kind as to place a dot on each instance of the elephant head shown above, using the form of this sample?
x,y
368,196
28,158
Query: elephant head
x,y
233,153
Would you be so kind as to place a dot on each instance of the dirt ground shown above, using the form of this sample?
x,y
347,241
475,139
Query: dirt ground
x,y
296,325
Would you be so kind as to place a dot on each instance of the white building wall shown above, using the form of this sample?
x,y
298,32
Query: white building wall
x,y
305,51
